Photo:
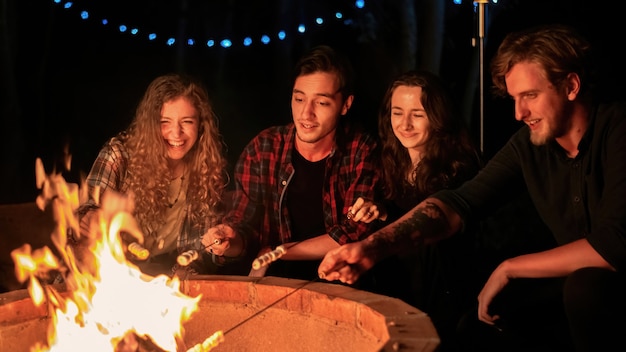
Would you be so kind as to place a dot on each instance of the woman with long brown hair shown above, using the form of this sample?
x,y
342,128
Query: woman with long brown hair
x,y
425,148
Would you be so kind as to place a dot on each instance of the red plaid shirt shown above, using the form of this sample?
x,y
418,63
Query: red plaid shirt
x,y
262,174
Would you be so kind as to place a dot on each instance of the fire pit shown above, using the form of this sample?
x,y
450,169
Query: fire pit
x,y
113,305
264,314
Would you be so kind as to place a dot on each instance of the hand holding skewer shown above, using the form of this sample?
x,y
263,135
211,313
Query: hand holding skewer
x,y
217,239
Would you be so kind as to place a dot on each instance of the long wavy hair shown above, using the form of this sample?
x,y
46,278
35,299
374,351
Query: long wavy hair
x,y
148,174
450,156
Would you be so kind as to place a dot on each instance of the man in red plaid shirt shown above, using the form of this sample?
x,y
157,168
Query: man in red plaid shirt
x,y
294,184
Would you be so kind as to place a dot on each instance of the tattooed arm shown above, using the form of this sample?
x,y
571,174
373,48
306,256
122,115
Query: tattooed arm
x,y
428,222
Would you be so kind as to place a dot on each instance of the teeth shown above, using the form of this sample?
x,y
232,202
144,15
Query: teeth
x,y
174,144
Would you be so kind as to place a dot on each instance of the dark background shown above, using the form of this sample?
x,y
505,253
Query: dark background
x,y
68,84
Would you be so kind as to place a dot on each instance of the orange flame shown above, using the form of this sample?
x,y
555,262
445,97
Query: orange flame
x,y
111,302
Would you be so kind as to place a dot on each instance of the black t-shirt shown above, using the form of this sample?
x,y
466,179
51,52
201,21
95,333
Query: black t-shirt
x,y
304,202
304,198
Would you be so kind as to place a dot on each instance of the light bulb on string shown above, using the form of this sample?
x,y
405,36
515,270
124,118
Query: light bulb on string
x,y
246,41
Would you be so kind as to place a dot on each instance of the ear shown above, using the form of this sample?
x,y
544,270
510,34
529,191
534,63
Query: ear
x,y
347,104
572,86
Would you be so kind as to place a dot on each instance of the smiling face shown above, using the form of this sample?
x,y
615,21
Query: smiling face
x,y
179,127
409,120
539,104
316,106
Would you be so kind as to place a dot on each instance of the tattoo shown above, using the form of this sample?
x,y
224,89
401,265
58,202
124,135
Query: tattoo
x,y
425,224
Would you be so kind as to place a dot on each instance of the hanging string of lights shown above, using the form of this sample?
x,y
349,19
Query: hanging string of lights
x,y
248,40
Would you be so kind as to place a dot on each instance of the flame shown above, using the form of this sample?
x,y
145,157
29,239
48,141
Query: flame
x,y
109,303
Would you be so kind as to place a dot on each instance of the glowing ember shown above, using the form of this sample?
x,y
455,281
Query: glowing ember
x,y
110,305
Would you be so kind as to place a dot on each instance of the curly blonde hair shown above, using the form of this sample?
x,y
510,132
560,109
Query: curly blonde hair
x,y
148,174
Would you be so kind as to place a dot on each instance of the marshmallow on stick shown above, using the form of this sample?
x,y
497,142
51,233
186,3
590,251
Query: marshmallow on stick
x,y
268,257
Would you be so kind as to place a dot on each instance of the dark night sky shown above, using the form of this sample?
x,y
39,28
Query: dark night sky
x,y
70,82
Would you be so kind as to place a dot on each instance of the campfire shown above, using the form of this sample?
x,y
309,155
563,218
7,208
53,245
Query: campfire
x,y
112,306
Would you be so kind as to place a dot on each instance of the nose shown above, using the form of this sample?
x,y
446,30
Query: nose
x,y
177,129
405,122
521,111
308,110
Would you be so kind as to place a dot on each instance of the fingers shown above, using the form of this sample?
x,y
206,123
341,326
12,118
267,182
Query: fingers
x,y
352,211
358,203
370,215
217,240
333,267
366,213
345,274
220,249
328,267
483,311
486,317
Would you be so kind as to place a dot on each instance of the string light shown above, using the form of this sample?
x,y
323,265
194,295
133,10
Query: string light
x,y
248,40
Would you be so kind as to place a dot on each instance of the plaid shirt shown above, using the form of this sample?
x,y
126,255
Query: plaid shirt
x,y
109,172
263,173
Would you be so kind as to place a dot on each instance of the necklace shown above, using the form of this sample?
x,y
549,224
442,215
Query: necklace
x,y
180,189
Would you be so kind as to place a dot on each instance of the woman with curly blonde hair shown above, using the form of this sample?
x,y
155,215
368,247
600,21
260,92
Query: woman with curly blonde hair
x,y
170,163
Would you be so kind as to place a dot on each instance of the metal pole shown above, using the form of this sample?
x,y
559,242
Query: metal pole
x,y
481,64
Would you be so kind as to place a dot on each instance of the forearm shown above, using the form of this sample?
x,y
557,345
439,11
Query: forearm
x,y
556,262
312,249
430,221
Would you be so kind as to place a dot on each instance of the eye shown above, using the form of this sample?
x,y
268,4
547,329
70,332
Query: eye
x,y
530,95
323,103
297,97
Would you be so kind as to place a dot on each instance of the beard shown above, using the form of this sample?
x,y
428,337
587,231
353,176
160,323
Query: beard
x,y
548,133
540,138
